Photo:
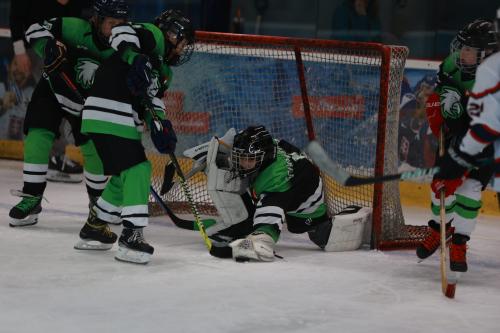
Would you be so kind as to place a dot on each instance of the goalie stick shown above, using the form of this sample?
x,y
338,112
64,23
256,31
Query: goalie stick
x,y
325,164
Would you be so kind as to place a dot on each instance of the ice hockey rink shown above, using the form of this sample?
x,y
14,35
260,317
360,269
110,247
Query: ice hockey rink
x,y
47,286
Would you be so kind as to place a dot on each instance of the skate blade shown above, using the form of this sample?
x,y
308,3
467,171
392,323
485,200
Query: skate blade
x,y
30,220
92,245
61,177
135,257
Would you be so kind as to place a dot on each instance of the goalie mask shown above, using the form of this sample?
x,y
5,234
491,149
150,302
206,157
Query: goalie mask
x,y
472,45
179,36
253,149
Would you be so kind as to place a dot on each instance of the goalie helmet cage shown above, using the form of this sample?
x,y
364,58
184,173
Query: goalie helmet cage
x,y
343,94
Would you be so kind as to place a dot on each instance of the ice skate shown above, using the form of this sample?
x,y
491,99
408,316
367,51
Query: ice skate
x,y
62,169
458,251
433,240
132,247
26,212
95,235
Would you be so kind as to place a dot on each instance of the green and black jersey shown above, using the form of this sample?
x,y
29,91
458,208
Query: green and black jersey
x,y
290,188
110,107
84,54
453,88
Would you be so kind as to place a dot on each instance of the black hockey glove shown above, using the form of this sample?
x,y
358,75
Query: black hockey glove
x,y
55,55
139,76
455,163
164,140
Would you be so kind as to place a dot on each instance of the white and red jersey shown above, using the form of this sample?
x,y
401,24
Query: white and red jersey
x,y
484,109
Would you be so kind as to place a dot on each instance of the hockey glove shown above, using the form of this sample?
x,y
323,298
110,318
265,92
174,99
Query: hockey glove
x,y
55,55
139,76
165,139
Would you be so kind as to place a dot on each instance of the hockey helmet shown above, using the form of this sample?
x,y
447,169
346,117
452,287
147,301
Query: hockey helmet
x,y
175,26
477,36
111,8
117,9
253,149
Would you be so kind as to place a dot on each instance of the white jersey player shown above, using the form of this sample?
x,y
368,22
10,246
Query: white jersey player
x,y
484,109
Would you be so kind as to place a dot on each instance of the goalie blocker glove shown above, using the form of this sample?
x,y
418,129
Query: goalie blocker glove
x,y
140,75
55,55
165,139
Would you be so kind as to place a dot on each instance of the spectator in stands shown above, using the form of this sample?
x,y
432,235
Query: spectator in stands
x,y
356,20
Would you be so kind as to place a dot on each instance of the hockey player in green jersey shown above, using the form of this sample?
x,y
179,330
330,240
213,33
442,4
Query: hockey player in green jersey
x,y
446,109
74,48
128,88
258,185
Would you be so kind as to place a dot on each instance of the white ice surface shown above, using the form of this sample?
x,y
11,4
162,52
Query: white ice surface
x,y
47,286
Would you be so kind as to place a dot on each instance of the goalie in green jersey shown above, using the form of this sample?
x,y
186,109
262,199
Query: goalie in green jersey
x,y
259,184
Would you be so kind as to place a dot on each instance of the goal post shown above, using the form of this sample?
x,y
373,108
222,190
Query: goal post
x,y
343,94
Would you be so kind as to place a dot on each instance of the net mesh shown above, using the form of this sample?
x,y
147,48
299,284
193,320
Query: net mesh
x,y
237,82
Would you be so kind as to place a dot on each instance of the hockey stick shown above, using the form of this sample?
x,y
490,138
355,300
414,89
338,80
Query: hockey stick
x,y
183,224
169,173
183,181
321,159
448,286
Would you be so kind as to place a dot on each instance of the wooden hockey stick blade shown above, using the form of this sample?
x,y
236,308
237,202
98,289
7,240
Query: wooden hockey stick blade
x,y
181,223
321,159
168,178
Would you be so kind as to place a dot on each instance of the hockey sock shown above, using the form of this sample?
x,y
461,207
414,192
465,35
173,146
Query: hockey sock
x,y
270,229
136,182
37,146
95,180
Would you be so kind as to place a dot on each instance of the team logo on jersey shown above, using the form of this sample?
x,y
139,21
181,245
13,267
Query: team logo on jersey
x,y
154,87
451,103
85,69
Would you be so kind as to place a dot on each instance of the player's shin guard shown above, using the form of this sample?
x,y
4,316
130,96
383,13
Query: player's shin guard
x,y
132,247
95,234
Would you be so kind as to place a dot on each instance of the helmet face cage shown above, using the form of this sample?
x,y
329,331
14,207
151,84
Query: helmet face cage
x,y
253,148
240,158
472,45
175,25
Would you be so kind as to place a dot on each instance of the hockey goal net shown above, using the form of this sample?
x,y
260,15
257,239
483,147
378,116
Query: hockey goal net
x,y
343,94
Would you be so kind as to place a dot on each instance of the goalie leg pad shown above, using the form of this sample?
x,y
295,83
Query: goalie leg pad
x,y
348,229
225,190
258,246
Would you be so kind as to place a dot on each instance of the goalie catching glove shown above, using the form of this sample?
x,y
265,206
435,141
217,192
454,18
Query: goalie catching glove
x,y
164,139
55,55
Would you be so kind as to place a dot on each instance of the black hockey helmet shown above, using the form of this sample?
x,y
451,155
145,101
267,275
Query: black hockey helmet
x,y
111,8
174,24
102,9
478,35
253,149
